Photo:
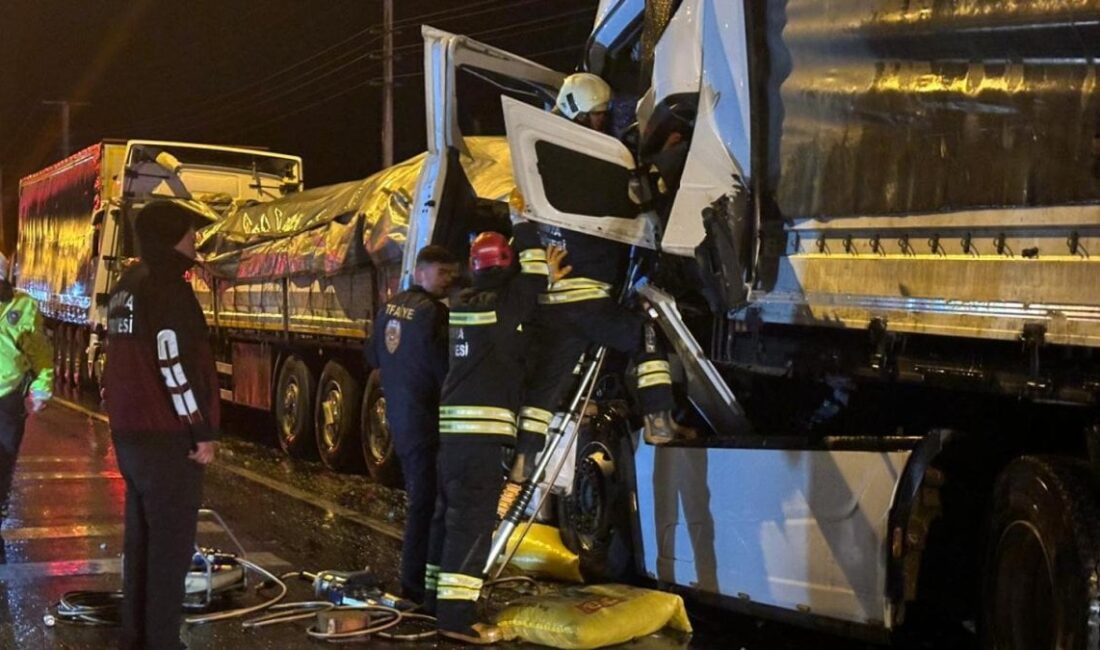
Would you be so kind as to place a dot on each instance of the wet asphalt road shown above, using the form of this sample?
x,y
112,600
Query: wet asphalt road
x,y
65,533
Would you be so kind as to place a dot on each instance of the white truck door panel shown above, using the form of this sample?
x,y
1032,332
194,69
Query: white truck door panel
x,y
795,529
574,177
444,55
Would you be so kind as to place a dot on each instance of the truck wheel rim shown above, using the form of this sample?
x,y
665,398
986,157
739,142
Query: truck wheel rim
x,y
379,431
332,409
590,495
1024,614
290,409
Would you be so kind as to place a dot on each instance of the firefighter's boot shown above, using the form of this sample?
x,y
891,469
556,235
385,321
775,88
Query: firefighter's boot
x,y
661,429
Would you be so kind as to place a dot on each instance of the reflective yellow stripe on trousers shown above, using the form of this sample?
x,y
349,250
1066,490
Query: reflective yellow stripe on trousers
x,y
535,420
653,373
459,586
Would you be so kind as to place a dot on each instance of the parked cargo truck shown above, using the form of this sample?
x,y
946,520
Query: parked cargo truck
x,y
75,225
289,288
875,265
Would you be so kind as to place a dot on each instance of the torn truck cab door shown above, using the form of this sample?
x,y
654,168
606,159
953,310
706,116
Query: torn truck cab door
x,y
445,55
705,50
574,177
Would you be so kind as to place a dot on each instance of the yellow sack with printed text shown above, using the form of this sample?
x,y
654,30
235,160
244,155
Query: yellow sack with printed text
x,y
593,616
542,554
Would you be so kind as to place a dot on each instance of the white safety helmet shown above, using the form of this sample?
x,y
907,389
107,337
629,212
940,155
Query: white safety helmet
x,y
583,92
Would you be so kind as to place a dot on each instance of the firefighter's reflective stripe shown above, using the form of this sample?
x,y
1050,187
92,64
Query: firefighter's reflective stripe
x,y
458,586
464,318
653,373
533,260
168,357
476,412
431,577
575,295
535,420
579,283
575,290
480,427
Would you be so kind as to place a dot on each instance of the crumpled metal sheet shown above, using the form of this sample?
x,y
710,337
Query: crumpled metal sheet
x,y
908,106
327,230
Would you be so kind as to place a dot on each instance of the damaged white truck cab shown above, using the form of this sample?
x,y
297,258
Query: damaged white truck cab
x,y
879,237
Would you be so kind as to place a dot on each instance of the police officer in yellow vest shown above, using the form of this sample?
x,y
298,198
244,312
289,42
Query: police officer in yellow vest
x,y
26,373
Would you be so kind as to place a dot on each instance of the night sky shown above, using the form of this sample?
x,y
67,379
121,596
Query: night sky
x,y
300,77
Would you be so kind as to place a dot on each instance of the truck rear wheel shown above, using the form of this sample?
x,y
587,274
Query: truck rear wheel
x,y
378,452
337,418
78,359
595,518
293,407
61,354
1042,587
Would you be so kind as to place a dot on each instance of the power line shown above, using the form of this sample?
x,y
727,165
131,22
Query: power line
x,y
368,82
244,90
237,109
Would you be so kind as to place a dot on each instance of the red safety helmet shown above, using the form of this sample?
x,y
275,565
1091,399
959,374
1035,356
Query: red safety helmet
x,y
490,250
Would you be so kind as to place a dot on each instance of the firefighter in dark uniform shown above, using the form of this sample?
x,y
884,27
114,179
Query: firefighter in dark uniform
x,y
408,344
477,419
161,390
582,310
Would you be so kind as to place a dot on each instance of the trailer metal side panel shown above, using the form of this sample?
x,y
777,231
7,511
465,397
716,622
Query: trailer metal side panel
x,y
899,106
931,165
55,261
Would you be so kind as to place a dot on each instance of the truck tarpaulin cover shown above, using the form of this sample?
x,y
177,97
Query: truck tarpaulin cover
x,y
55,257
902,106
327,230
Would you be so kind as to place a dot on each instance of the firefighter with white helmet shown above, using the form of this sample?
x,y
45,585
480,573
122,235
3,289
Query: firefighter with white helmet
x,y
585,98
581,311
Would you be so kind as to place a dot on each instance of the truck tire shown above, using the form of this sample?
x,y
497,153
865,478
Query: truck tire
x,y
1041,585
336,415
78,359
378,452
595,519
99,367
294,408
61,355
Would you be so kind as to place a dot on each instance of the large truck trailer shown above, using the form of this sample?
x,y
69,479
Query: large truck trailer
x,y
290,287
875,265
76,217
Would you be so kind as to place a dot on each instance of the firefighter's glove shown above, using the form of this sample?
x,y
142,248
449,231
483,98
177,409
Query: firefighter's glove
x,y
507,498
555,258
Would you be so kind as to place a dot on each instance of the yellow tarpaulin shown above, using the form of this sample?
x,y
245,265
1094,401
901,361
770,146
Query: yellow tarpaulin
x,y
542,554
593,617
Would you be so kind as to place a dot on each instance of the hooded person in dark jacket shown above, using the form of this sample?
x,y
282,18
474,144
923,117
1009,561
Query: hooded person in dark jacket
x,y
162,402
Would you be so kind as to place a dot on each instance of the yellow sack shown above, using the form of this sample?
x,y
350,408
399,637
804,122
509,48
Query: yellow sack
x,y
593,617
542,554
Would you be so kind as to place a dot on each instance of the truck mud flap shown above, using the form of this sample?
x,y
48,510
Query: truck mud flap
x,y
706,389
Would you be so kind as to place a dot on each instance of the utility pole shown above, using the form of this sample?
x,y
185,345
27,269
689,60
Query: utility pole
x,y
66,122
387,84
